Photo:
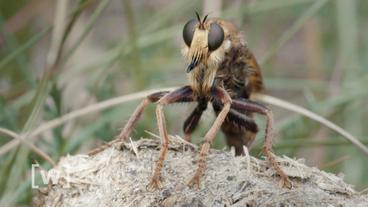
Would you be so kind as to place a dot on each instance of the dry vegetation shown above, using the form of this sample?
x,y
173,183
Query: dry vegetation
x,y
59,58
118,178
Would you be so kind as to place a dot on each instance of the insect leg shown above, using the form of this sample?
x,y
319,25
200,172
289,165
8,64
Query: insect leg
x,y
221,95
184,94
246,106
239,128
125,132
192,121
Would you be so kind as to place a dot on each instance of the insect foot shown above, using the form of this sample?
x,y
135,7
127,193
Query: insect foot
x,y
195,181
285,183
154,184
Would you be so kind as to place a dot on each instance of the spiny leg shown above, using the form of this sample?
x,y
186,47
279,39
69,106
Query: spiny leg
x,y
246,106
184,94
125,132
239,128
192,121
222,96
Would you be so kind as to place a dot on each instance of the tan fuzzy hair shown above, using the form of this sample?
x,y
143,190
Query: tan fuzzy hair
x,y
201,78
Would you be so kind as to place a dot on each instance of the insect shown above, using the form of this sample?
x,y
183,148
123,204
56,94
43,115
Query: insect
x,y
222,71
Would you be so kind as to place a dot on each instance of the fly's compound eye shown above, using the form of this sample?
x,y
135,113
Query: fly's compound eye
x,y
188,31
215,37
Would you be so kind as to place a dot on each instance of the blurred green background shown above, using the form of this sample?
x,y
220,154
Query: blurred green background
x,y
312,52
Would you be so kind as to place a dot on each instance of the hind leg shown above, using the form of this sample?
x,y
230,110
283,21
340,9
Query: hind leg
x,y
125,132
246,106
239,129
184,94
223,97
191,122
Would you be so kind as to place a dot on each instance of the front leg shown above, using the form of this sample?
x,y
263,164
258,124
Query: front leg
x,y
246,105
184,94
221,95
125,132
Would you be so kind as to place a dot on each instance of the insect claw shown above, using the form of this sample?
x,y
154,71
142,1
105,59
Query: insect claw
x,y
195,181
285,183
154,184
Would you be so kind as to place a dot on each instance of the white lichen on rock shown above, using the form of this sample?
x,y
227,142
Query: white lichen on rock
x,y
119,178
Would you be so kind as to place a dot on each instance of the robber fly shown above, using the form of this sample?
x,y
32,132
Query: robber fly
x,y
221,71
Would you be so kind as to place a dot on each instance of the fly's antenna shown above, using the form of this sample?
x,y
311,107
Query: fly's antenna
x,y
205,18
201,22
198,18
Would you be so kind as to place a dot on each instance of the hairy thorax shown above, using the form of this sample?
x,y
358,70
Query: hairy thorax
x,y
239,73
202,80
233,74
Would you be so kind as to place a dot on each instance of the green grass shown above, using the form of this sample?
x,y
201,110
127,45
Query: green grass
x,y
110,50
